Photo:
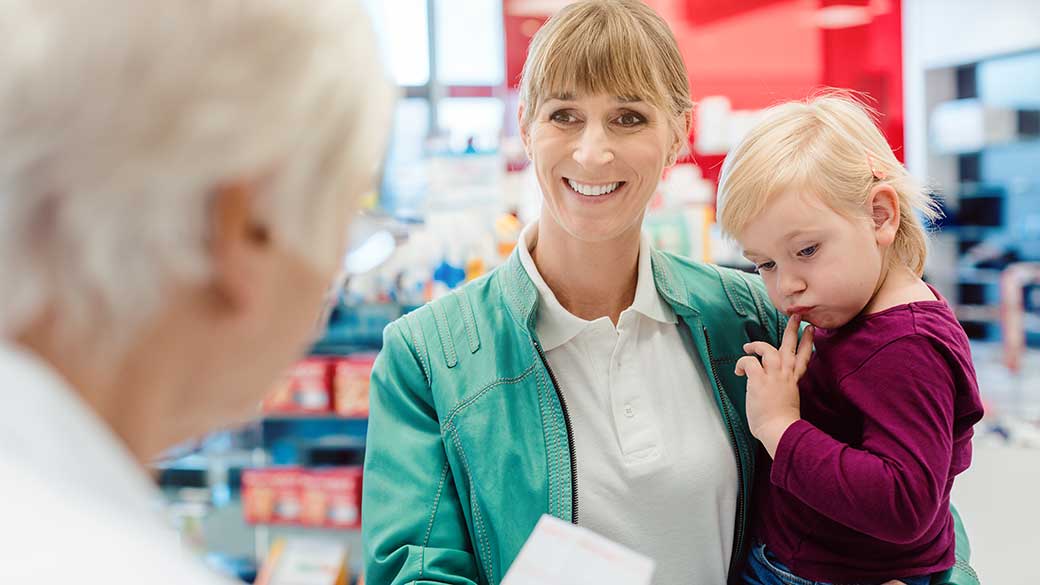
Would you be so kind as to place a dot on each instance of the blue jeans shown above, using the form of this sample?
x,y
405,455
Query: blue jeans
x,y
763,568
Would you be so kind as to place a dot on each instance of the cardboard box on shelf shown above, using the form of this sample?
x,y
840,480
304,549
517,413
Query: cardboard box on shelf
x,y
305,389
271,496
350,385
332,497
319,498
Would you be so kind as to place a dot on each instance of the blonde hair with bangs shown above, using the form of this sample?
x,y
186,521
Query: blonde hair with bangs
x,y
617,47
830,146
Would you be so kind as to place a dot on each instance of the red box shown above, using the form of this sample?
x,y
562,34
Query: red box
x,y
331,498
271,496
305,389
350,383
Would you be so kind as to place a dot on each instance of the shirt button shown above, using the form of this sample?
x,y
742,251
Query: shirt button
x,y
629,411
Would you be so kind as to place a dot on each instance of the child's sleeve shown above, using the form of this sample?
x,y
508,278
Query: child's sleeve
x,y
891,486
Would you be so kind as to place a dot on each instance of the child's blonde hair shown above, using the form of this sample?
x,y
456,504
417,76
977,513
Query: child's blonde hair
x,y
828,145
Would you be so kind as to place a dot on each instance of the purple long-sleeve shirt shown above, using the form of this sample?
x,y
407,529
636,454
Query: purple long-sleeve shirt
x,y
860,486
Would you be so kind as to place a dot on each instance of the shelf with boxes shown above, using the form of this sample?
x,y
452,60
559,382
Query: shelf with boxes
x,y
312,428
984,149
323,386
324,498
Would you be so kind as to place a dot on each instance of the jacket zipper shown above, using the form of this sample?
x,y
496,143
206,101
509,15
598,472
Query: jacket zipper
x,y
738,549
570,433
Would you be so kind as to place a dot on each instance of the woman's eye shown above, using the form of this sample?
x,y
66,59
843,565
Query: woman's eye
x,y
765,266
806,252
630,119
562,117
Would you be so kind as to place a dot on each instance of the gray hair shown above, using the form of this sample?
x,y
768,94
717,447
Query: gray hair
x,y
120,117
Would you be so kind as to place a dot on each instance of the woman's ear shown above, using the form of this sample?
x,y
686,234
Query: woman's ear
x,y
239,245
525,133
682,138
883,205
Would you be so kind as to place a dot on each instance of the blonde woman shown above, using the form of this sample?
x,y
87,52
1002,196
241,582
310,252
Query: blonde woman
x,y
590,377
176,181
865,438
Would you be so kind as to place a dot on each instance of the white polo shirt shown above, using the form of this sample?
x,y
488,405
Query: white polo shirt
x,y
655,468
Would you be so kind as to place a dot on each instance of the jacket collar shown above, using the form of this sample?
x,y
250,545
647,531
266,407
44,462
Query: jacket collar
x,y
522,295
556,325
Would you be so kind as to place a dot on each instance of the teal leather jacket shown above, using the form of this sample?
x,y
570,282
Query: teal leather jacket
x,y
469,439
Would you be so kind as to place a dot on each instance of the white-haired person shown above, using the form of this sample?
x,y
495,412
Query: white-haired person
x,y
590,377
176,183
866,435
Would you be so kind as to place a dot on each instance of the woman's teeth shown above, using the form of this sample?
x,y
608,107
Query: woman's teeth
x,y
593,190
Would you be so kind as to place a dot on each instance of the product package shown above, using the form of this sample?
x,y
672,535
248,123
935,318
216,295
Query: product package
x,y
271,496
332,497
350,385
305,389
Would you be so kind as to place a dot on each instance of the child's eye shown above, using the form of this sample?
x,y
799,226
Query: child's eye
x,y
765,266
807,252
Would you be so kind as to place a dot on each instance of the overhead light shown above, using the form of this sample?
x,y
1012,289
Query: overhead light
x,y
375,250
839,16
536,7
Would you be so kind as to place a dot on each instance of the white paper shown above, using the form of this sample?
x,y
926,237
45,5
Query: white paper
x,y
560,553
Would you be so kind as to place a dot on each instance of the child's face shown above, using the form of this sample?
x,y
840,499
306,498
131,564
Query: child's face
x,y
815,261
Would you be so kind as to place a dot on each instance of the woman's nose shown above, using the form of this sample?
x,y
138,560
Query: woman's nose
x,y
593,148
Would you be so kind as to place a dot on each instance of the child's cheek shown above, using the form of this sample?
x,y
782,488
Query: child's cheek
x,y
774,297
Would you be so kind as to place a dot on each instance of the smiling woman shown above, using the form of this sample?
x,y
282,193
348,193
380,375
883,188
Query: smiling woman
x,y
598,159
599,125
598,369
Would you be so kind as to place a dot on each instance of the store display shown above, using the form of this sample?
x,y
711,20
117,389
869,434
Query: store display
x,y
331,498
983,142
969,125
305,562
303,390
318,498
271,496
325,385
350,384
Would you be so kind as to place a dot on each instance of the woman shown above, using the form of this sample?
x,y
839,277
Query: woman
x,y
176,182
590,377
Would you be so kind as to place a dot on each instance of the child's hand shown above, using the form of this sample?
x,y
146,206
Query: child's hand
x,y
772,387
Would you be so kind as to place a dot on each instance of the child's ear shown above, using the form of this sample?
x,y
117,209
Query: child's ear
x,y
884,210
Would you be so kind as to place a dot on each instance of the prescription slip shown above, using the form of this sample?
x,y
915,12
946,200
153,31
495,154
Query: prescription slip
x,y
560,553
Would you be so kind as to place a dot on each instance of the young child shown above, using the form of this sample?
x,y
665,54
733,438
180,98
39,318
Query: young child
x,y
865,437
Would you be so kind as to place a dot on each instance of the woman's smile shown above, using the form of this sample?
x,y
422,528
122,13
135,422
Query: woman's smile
x,y
594,193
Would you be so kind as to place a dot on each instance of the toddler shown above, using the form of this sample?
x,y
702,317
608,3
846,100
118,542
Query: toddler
x,y
866,434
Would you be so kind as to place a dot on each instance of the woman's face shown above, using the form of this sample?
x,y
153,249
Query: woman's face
x,y
598,159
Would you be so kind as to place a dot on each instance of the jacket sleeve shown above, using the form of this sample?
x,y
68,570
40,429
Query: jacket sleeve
x,y
961,572
413,526
770,322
